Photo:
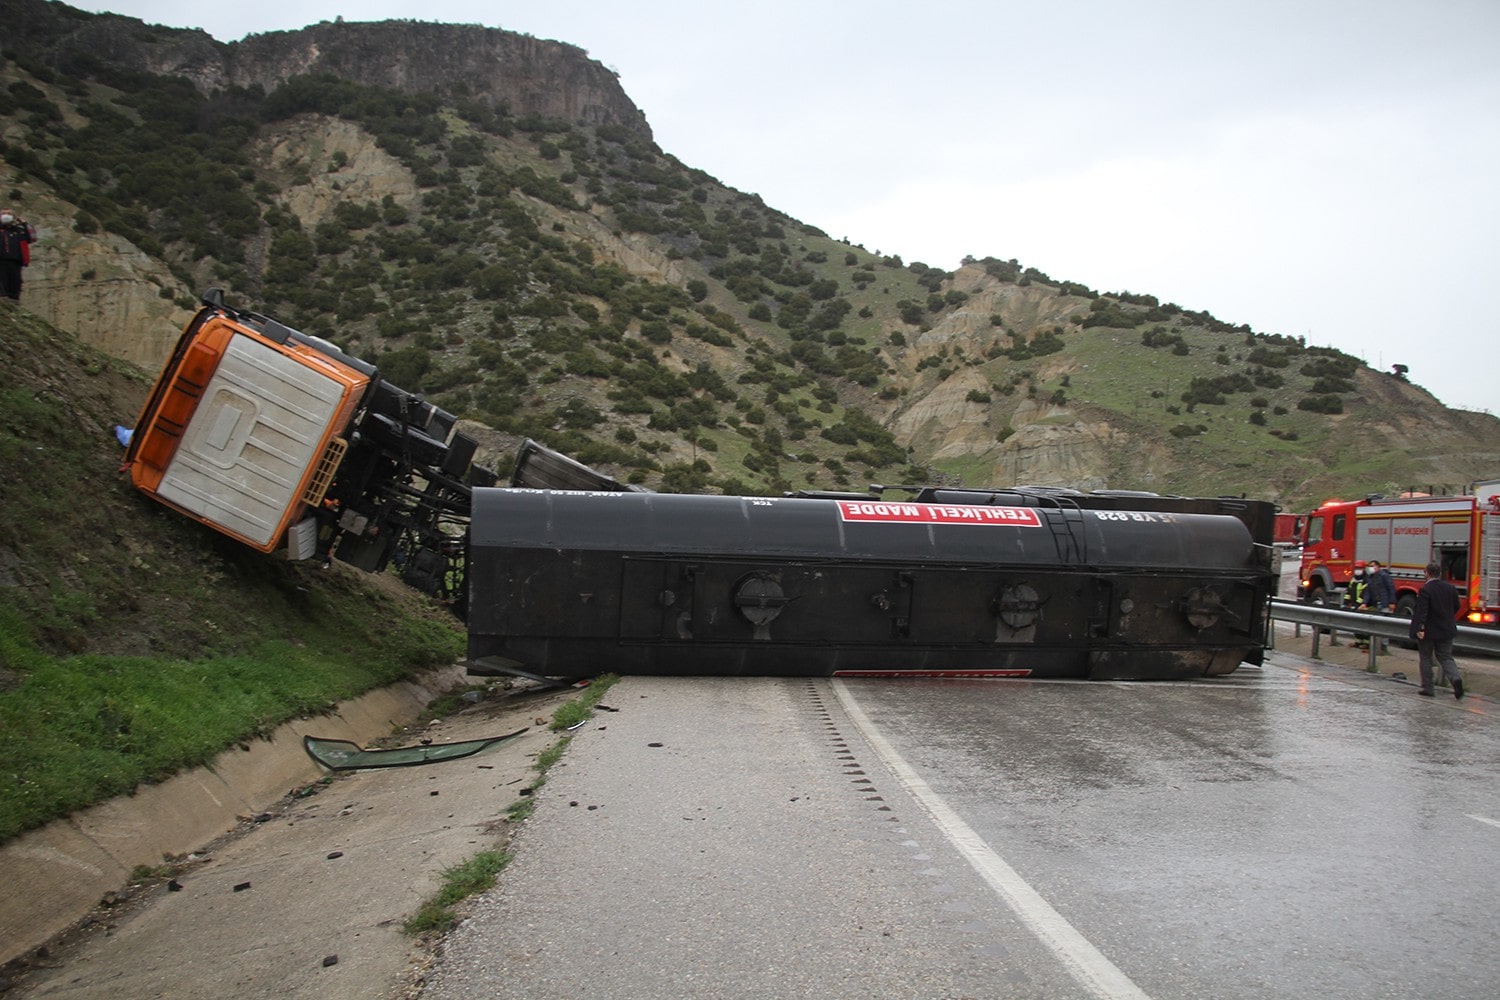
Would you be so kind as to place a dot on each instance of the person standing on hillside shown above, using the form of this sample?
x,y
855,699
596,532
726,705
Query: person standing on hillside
x,y
1434,625
1380,595
16,238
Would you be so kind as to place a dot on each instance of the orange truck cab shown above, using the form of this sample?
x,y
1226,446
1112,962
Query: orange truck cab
x,y
245,425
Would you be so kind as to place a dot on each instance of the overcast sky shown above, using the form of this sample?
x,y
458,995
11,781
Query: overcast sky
x,y
1319,168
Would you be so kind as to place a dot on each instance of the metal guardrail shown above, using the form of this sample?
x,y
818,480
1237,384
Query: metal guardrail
x,y
1469,640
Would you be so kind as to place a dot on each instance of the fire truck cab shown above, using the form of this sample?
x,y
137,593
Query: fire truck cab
x,y
1460,533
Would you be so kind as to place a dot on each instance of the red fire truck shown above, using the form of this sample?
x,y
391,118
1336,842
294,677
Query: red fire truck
x,y
1460,533
1288,533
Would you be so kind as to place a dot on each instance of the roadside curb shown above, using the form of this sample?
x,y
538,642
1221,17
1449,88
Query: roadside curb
x,y
53,876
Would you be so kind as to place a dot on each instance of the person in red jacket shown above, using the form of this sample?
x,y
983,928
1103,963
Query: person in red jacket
x,y
1434,625
16,238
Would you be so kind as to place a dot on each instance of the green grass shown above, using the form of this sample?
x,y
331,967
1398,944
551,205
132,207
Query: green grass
x,y
551,755
520,810
573,712
463,880
84,728
976,471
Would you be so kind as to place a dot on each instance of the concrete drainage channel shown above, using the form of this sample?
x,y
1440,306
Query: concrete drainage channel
x,y
54,876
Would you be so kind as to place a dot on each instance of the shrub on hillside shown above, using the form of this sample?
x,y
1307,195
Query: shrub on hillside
x,y
1321,404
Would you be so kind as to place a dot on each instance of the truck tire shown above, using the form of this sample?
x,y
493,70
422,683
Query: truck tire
x,y
1319,598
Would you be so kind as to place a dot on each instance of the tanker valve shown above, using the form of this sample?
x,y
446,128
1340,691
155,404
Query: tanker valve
x,y
1203,607
1019,606
1017,610
760,599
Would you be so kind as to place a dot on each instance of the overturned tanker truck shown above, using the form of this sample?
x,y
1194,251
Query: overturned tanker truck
x,y
285,443
568,582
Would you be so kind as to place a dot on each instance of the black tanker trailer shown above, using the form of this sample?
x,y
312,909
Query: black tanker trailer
x,y
568,583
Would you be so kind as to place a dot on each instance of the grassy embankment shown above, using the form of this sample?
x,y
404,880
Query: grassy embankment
x,y
79,729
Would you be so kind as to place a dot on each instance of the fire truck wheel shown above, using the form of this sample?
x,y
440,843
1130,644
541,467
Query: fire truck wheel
x,y
1406,606
1319,598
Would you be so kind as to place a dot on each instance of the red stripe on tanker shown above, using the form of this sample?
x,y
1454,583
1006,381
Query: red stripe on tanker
x,y
923,513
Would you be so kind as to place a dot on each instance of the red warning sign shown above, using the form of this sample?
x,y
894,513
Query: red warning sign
x,y
933,513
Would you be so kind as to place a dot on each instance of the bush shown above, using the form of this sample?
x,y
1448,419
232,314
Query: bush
x,y
405,367
1103,312
1329,384
912,313
1321,404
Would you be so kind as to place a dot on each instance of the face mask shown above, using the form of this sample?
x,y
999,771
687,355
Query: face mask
x,y
1359,574
6,219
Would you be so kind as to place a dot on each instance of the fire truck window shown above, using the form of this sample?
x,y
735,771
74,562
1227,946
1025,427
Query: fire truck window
x,y
1338,527
1314,531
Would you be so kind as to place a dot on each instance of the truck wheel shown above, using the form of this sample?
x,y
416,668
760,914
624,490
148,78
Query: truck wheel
x,y
1318,597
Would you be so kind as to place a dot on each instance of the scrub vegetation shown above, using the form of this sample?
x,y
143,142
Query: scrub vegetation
x,y
579,285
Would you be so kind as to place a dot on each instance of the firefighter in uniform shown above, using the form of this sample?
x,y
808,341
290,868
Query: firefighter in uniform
x,y
1354,599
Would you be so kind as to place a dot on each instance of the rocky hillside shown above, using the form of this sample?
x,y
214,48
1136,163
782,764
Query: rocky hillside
x,y
486,216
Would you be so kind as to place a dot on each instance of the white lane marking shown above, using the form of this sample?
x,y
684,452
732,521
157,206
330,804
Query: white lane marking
x,y
1482,819
1084,962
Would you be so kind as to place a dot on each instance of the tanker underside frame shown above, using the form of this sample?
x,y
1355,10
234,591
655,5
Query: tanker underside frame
x,y
740,618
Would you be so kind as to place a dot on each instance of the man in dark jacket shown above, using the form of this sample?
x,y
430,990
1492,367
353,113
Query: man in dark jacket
x,y
1434,625
1380,595
16,238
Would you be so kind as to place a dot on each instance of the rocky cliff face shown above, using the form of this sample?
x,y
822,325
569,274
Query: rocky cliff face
x,y
110,295
98,286
528,75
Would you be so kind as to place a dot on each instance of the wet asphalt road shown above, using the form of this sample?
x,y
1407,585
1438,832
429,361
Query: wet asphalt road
x,y
1295,831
